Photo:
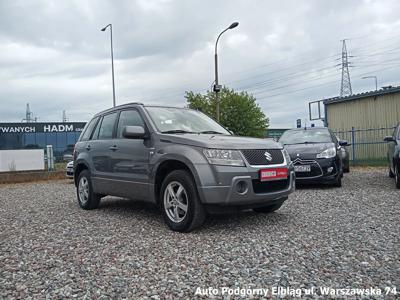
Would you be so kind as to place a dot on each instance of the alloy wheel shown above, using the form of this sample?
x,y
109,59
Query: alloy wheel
x,y
83,190
175,201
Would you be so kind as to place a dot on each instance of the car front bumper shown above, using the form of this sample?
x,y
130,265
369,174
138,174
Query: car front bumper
x,y
245,189
70,172
322,170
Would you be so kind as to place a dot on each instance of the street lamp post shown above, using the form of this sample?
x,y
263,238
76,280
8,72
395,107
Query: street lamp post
x,y
112,60
217,87
376,80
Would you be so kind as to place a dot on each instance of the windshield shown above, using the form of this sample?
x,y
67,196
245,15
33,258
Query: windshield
x,y
306,136
179,120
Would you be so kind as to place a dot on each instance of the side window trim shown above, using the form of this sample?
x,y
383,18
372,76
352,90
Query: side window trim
x,y
83,138
115,129
99,121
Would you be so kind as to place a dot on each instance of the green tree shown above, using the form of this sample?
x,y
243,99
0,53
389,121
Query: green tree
x,y
238,111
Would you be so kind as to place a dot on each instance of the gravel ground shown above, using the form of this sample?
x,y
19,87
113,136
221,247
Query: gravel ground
x,y
323,237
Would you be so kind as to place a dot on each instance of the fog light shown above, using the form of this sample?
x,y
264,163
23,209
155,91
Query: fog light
x,y
329,170
241,187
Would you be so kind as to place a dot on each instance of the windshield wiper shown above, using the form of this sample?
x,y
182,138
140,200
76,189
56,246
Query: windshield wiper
x,y
210,132
176,131
302,143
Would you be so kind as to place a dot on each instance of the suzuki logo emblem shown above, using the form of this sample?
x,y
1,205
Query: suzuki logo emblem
x,y
268,156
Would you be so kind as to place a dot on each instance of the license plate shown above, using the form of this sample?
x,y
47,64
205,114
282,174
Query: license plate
x,y
302,168
274,173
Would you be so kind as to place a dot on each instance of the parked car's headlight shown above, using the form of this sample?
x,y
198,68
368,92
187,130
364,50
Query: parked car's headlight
x,y
328,153
223,157
287,156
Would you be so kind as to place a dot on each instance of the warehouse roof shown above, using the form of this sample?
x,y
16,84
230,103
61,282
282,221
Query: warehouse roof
x,y
382,91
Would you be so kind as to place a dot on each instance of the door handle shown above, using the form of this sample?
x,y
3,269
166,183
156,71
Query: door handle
x,y
88,147
113,148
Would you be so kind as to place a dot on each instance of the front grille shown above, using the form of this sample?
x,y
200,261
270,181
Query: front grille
x,y
315,168
258,157
262,187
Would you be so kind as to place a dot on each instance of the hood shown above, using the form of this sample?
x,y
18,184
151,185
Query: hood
x,y
308,151
217,141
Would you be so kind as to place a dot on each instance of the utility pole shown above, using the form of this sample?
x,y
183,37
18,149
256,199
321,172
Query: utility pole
x,y
64,117
345,87
375,78
217,86
28,114
112,60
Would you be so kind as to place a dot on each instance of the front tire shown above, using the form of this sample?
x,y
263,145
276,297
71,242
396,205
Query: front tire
x,y
391,174
338,181
87,199
180,203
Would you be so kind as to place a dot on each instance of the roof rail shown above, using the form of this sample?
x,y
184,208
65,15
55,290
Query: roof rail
x,y
130,103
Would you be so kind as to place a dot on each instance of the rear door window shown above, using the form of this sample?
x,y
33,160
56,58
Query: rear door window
x,y
107,126
128,118
88,130
95,134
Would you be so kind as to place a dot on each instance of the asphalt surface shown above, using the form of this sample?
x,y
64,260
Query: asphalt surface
x,y
321,237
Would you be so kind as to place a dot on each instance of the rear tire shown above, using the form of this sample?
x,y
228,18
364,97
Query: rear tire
x,y
268,209
180,203
87,199
397,176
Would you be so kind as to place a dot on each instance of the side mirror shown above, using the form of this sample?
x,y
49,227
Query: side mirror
x,y
133,132
389,138
343,143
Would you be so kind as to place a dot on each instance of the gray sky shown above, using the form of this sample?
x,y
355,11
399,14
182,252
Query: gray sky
x,y
54,56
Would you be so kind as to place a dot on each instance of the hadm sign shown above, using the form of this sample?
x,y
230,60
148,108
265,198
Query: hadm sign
x,y
41,127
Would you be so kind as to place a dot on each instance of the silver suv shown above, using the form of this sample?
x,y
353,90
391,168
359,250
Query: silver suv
x,y
181,160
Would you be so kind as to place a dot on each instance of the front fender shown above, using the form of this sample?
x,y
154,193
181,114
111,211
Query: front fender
x,y
191,156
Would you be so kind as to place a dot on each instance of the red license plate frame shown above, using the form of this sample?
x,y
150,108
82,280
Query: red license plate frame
x,y
273,174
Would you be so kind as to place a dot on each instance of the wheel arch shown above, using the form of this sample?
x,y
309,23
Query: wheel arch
x,y
78,168
168,165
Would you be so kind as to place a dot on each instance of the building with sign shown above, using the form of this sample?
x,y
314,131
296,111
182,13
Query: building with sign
x,y
364,120
62,136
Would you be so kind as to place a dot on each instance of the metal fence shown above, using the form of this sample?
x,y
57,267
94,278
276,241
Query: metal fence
x,y
366,146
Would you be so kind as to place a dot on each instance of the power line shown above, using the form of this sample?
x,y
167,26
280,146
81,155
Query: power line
x,y
290,72
269,96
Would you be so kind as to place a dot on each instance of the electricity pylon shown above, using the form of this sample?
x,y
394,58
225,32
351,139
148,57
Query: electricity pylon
x,y
345,87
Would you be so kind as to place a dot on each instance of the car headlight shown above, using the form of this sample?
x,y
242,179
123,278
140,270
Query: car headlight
x,y
287,156
328,153
223,157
